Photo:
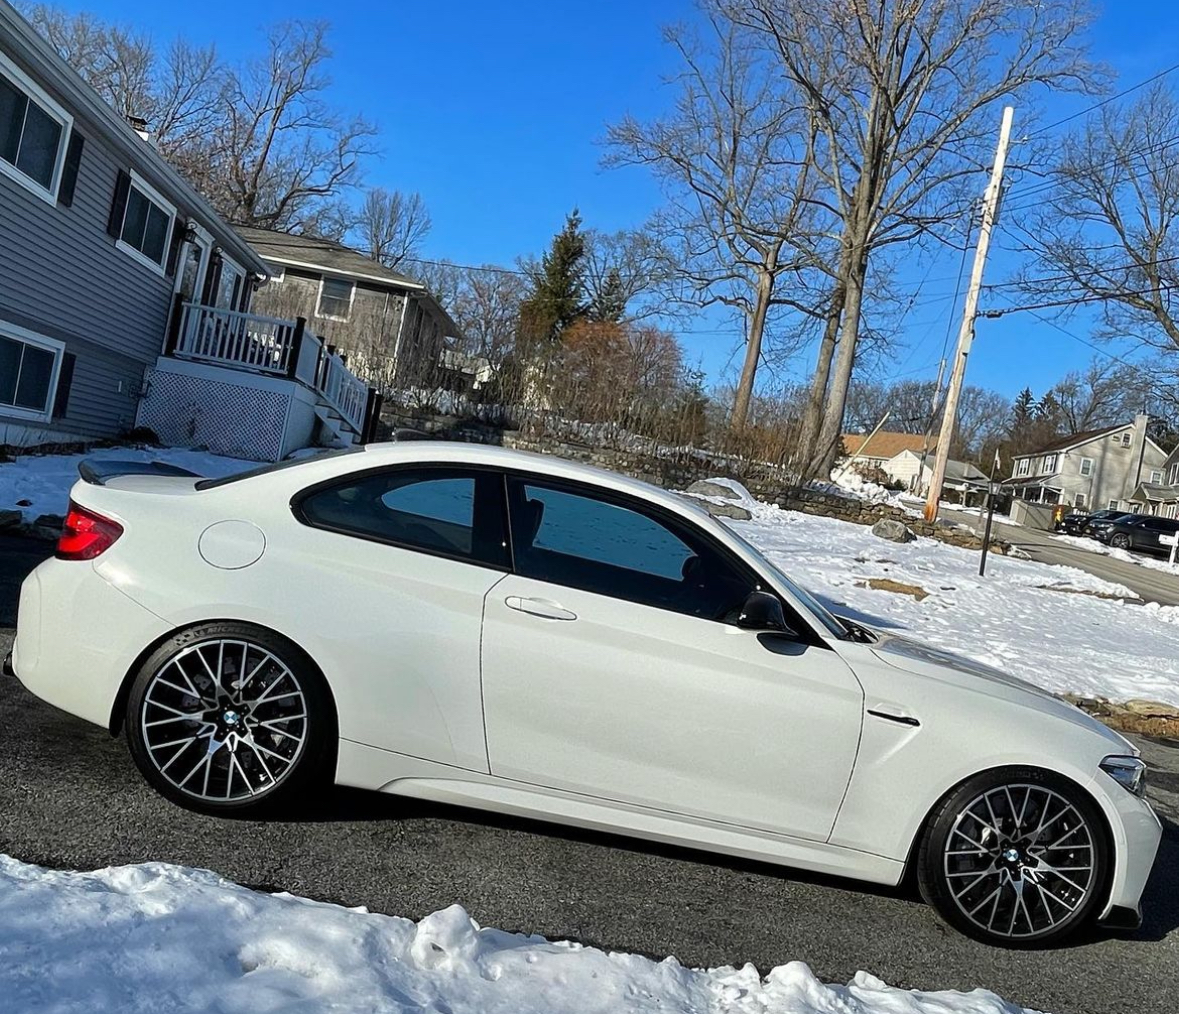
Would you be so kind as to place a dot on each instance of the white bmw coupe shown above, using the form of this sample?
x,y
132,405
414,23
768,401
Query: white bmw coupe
x,y
522,634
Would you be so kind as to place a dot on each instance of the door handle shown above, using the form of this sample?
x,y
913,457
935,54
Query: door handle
x,y
539,607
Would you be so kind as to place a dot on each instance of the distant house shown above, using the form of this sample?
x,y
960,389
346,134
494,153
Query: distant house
x,y
864,454
1164,497
390,328
125,299
1119,468
963,481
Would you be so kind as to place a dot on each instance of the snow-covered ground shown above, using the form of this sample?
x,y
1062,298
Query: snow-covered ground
x,y
1042,623
159,939
38,484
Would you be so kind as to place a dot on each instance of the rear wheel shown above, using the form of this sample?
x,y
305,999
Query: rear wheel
x,y
1015,857
1120,541
228,717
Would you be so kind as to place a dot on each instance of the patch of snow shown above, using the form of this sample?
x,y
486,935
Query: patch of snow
x,y
1042,623
38,484
1141,559
156,938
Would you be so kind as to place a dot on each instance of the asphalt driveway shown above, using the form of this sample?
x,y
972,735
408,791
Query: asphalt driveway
x,y
71,798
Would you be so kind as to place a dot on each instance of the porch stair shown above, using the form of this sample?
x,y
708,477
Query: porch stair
x,y
334,431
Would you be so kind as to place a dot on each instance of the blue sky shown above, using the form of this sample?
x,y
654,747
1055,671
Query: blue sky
x,y
494,113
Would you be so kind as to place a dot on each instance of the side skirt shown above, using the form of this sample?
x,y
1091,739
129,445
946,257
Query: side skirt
x,y
370,768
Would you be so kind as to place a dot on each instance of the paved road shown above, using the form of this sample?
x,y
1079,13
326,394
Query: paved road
x,y
71,798
1149,584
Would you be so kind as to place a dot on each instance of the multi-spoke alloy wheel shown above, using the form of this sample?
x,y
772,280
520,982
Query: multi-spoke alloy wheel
x,y
1015,861
227,719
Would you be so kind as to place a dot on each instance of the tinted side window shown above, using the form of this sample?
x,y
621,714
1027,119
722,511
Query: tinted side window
x,y
580,541
439,511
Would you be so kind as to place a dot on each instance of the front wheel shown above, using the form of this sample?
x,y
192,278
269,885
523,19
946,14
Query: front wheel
x,y
230,718
1120,541
1016,858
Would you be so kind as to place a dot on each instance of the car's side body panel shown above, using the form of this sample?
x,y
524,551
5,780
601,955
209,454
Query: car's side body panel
x,y
659,709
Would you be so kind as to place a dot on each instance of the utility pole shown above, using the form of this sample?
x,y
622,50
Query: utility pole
x,y
933,406
969,312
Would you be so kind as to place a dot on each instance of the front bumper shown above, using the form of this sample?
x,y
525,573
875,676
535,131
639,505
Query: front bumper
x,y
1136,833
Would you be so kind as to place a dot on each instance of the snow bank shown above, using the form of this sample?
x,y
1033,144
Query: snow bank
x,y
156,938
1042,623
44,480
1093,546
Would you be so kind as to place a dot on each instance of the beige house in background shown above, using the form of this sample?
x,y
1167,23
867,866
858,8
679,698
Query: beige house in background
x,y
1116,468
390,328
862,457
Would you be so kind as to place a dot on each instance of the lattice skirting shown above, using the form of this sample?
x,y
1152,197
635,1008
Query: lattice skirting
x,y
190,411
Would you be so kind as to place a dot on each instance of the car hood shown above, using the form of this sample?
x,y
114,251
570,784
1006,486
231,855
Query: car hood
x,y
937,663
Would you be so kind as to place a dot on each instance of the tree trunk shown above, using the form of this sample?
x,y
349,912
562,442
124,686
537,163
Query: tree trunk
x,y
757,324
804,456
829,436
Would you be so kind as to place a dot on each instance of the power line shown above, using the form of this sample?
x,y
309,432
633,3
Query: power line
x,y
1076,301
1105,102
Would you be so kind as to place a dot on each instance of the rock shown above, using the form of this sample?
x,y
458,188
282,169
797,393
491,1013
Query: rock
x,y
10,519
893,531
47,527
24,503
705,488
1150,709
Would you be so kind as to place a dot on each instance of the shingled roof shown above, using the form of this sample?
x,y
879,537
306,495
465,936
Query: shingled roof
x,y
885,445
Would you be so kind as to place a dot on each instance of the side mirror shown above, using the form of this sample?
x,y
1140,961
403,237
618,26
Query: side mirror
x,y
762,611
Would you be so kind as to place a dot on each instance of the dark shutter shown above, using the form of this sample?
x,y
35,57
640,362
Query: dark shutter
x,y
65,379
69,172
119,205
177,242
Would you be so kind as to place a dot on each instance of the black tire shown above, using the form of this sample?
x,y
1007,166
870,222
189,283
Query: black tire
x,y
993,877
254,743
1121,541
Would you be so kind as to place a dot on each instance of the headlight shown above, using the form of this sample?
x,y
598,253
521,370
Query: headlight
x,y
1130,772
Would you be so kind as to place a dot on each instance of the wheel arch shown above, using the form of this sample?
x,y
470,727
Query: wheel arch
x,y
909,875
119,706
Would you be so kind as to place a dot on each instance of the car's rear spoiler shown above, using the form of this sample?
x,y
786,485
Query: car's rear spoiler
x,y
97,472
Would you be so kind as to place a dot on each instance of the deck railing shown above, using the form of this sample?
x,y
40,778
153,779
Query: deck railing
x,y
230,338
273,346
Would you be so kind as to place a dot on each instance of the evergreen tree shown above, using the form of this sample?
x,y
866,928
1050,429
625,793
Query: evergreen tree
x,y
557,298
609,303
1023,411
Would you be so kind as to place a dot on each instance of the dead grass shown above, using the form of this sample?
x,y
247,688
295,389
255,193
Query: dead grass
x,y
899,587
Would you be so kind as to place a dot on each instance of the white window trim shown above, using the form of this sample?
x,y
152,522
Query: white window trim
x,y
1023,466
1081,467
1048,464
351,299
1153,473
35,91
153,195
22,334
1114,505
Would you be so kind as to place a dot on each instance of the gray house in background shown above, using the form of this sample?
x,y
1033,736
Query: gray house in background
x,y
1111,468
99,237
125,300
391,329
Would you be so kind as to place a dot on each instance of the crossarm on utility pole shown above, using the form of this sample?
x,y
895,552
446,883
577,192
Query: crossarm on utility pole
x,y
969,312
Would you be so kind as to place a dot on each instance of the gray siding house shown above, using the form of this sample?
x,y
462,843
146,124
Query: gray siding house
x,y
98,236
1100,469
390,328
126,301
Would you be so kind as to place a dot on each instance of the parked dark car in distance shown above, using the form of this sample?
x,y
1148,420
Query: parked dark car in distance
x,y
1139,531
1097,528
1074,523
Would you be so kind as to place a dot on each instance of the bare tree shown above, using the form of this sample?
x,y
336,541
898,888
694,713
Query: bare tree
x,y
1105,393
632,268
736,162
487,309
902,95
280,149
1107,230
391,225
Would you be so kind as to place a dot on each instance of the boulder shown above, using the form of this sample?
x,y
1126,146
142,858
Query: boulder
x,y
893,531
705,488
1149,709
10,519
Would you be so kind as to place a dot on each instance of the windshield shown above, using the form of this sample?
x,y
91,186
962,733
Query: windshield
x,y
816,608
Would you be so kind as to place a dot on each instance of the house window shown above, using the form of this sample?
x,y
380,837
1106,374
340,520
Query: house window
x,y
1173,477
335,298
1155,475
1048,465
1079,500
1023,466
1113,505
1086,466
33,133
1125,439
147,225
29,365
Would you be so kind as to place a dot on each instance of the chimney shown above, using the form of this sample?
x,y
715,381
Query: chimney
x,y
139,125
1137,470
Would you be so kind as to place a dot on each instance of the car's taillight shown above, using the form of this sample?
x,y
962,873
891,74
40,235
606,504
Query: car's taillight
x,y
86,535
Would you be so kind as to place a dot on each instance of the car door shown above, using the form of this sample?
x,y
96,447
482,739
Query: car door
x,y
612,666
401,560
